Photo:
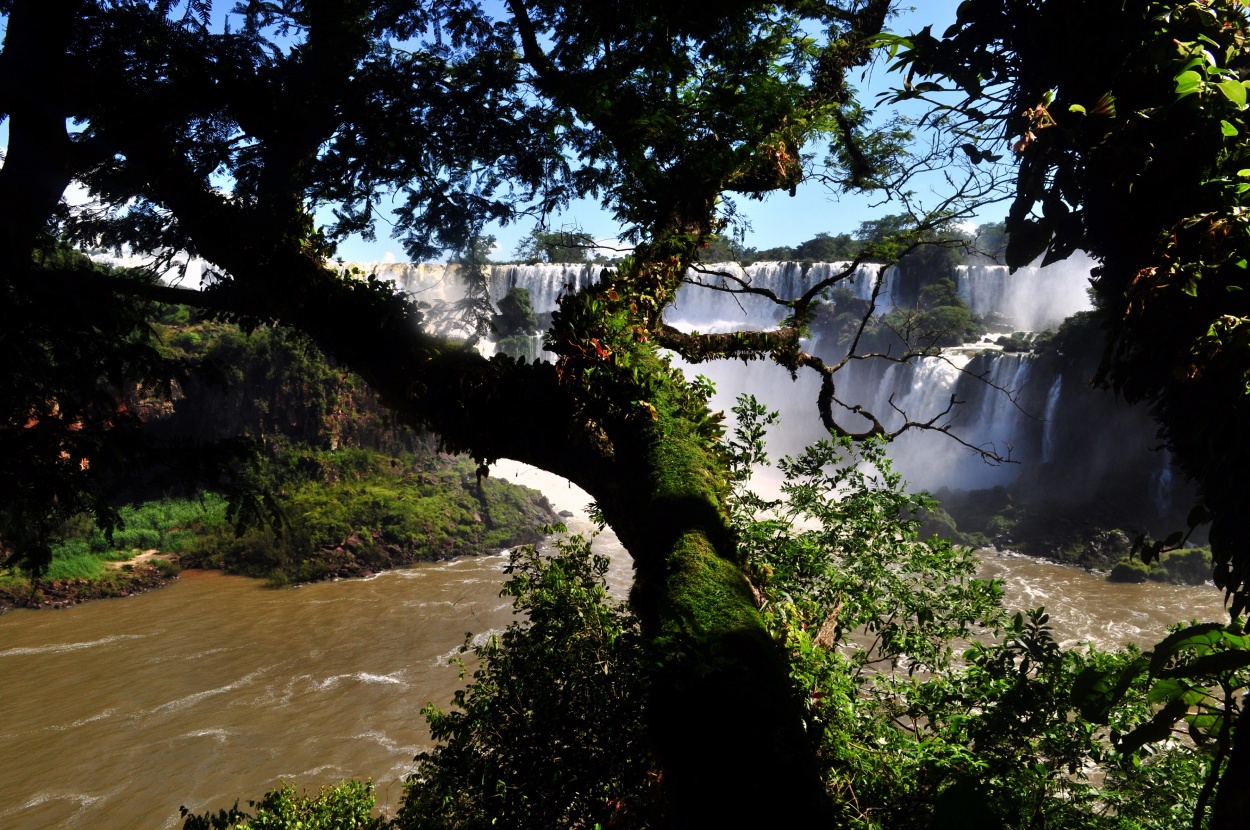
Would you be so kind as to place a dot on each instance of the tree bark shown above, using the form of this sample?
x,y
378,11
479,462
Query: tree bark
x,y
34,77
1232,801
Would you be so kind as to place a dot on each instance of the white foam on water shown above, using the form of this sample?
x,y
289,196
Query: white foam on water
x,y
61,648
105,715
477,641
191,700
219,735
362,677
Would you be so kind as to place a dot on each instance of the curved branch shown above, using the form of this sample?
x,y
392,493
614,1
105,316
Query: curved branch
x,y
744,345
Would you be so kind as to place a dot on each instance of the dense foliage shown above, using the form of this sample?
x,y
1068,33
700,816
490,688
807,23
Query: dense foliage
x,y
973,715
347,491
352,513
76,371
941,318
231,144
552,730
348,806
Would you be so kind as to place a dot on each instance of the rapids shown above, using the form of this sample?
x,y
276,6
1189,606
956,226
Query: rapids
x,y
114,713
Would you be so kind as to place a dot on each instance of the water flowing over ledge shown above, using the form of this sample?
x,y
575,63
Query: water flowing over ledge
x,y
1035,410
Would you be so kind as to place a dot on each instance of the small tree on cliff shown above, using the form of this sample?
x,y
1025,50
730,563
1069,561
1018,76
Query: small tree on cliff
x,y
658,107
567,247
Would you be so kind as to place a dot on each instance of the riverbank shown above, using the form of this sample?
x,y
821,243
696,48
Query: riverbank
x,y
1099,539
216,688
353,515
64,593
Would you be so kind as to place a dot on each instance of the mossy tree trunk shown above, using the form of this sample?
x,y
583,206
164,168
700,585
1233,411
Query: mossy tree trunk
x,y
725,721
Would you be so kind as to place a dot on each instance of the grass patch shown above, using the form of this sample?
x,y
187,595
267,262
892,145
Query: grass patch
x,y
75,560
346,513
167,525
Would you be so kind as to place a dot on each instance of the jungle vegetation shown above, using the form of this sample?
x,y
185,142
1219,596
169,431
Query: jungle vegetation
x,y
349,491
259,145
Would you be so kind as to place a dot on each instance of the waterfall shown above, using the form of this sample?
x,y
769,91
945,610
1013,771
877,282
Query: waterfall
x,y
1032,298
1048,428
703,307
546,283
706,303
1162,484
1016,405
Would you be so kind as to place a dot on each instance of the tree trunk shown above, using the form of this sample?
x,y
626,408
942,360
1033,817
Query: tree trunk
x,y
34,75
1232,802
724,718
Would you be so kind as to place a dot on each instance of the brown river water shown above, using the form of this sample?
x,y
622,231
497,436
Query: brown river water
x,y
114,713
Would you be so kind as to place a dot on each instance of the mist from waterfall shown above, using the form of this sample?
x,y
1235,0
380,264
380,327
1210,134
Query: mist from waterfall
x,y
1015,408
1032,298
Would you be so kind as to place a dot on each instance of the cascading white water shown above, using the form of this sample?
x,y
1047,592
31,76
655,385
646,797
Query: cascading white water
x,y
427,282
545,283
1032,298
996,407
997,418
703,307
713,300
1162,483
1048,431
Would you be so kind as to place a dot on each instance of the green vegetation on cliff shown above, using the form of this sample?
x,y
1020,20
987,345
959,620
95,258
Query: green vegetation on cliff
x,y
353,512
348,492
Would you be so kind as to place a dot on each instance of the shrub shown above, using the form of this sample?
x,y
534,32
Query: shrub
x,y
1129,570
344,807
1188,567
167,567
551,732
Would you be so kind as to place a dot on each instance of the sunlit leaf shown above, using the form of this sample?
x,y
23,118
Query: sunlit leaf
x,y
1233,91
1188,82
1212,665
1203,634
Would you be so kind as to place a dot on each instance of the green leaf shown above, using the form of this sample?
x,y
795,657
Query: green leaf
x,y
1209,723
1212,665
1188,82
1233,91
1077,108
1094,694
1169,691
1203,634
1226,128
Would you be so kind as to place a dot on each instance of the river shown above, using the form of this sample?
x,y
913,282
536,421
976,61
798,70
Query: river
x,y
114,713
